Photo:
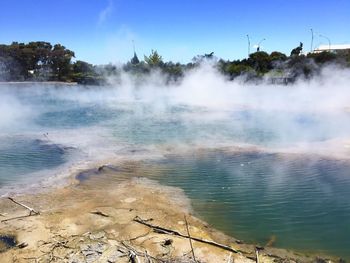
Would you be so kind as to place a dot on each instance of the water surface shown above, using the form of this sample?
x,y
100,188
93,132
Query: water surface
x,y
301,200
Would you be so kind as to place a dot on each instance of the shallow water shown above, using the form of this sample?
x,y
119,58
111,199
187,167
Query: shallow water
x,y
21,156
302,201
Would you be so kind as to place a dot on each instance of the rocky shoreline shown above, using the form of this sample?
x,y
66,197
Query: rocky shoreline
x,y
104,219
30,83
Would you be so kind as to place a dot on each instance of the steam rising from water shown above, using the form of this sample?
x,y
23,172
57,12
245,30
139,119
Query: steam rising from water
x,y
205,105
203,110
45,131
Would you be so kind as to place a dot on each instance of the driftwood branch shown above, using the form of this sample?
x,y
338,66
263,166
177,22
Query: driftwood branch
x,y
163,230
14,218
149,260
31,210
99,213
190,239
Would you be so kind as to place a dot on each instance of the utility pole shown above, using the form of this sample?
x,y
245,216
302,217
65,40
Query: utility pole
x,y
133,45
248,45
329,42
258,47
312,40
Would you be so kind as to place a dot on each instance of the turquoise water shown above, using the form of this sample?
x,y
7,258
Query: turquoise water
x,y
302,200
21,156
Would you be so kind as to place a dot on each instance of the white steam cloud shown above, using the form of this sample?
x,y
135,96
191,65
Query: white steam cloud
x,y
312,115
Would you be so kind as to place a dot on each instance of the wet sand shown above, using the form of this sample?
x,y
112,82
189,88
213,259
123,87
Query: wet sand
x,y
93,220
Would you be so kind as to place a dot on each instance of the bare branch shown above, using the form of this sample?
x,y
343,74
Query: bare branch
x,y
190,239
163,230
31,210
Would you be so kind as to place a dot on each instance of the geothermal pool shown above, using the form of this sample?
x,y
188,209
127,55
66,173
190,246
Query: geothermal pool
x,y
298,202
290,185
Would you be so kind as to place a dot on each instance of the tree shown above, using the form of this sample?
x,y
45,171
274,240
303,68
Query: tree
x,y
85,73
60,59
174,71
301,66
83,67
154,59
323,57
260,61
277,56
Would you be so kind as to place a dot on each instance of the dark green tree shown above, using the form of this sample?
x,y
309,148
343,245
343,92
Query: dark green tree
x,y
277,56
260,61
154,59
323,57
60,59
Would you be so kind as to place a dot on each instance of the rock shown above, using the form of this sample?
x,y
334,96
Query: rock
x,y
98,235
74,258
167,242
22,245
112,255
93,251
130,200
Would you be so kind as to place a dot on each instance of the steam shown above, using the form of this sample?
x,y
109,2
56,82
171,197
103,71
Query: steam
x,y
204,108
13,112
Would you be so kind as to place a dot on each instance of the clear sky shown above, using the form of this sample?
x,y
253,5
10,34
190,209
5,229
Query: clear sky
x,y
101,31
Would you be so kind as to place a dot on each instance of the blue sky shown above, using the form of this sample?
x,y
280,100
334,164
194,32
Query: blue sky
x,y
101,31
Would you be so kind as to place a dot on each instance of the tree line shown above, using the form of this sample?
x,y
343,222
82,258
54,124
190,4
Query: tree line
x,y
42,61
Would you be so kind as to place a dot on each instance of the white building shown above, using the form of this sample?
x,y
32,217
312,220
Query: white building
x,y
332,48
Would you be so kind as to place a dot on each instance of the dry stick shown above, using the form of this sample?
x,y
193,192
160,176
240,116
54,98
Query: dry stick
x,y
190,239
99,213
257,255
143,235
147,257
163,230
132,253
31,210
13,218
133,257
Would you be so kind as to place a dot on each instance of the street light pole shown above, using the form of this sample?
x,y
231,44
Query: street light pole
x,y
312,40
329,42
133,45
258,47
248,45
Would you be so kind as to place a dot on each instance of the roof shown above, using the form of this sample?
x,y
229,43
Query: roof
x,y
333,47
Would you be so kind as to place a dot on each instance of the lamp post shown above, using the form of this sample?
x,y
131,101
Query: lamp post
x,y
329,42
312,40
258,47
133,45
248,45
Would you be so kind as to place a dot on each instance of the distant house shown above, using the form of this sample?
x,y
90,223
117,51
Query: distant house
x,y
332,48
